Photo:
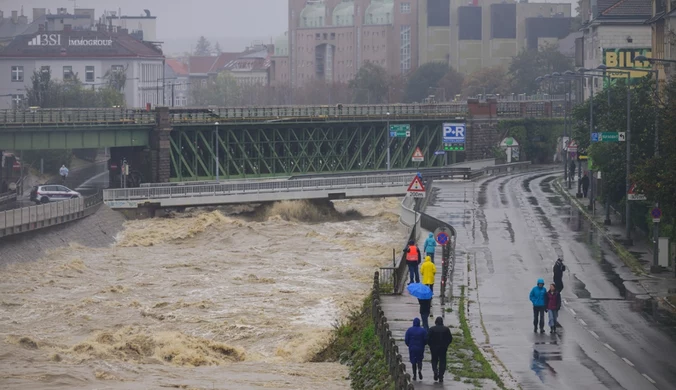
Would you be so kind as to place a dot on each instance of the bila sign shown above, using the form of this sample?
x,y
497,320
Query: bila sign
x,y
56,40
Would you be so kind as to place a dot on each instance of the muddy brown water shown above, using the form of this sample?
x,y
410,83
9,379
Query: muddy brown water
x,y
203,300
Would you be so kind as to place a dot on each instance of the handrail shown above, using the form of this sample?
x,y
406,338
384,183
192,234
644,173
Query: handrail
x,y
395,362
148,193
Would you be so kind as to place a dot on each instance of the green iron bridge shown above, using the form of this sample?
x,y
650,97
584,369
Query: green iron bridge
x,y
202,143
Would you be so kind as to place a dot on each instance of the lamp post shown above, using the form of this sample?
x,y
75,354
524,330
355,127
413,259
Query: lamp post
x,y
564,150
387,130
216,156
628,140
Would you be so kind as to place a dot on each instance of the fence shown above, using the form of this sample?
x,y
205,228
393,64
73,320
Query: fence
x,y
37,217
504,168
395,363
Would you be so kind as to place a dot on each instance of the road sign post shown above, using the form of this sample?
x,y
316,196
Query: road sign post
x,y
633,194
442,235
418,155
416,188
454,137
400,131
656,213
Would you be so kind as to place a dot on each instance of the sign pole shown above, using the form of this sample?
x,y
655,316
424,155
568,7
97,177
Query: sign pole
x,y
627,183
387,129
591,130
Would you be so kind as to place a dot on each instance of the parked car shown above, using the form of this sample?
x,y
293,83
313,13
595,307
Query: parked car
x,y
52,193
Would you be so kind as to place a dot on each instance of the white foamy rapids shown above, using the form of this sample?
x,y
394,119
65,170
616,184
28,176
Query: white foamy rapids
x,y
201,300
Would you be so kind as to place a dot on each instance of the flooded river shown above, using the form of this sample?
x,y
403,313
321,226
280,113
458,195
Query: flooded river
x,y
207,299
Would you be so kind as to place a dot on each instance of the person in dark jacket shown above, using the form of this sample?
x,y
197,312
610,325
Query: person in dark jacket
x,y
585,184
413,259
537,298
552,306
416,339
571,171
439,339
425,310
558,270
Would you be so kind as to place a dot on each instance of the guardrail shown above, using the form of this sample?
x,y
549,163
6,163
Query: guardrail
x,y
75,116
7,197
41,216
504,168
206,182
395,362
185,191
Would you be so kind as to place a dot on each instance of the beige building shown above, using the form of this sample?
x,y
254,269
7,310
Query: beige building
x,y
663,24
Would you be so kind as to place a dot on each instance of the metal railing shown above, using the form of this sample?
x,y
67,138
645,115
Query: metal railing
x,y
185,191
395,362
36,217
503,168
209,182
55,117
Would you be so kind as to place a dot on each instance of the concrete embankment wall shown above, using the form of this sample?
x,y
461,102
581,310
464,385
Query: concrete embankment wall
x,y
96,231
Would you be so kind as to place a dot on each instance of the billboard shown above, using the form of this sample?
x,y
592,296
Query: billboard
x,y
624,58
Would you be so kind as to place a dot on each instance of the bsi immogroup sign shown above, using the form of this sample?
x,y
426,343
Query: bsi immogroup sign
x,y
55,40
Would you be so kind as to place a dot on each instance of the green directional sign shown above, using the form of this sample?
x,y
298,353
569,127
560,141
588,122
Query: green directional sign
x,y
454,147
400,131
608,136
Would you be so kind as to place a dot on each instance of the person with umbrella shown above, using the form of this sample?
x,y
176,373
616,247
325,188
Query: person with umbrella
x,y
416,339
424,295
413,260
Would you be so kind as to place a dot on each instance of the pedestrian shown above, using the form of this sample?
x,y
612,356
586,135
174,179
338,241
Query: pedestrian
x,y
558,270
430,246
571,170
425,310
537,298
63,171
416,339
439,339
428,270
413,260
585,184
553,305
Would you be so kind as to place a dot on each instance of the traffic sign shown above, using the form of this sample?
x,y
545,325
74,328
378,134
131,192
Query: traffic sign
x,y
400,131
608,136
572,146
443,235
418,155
621,136
454,133
656,214
416,185
439,152
454,147
632,194
595,137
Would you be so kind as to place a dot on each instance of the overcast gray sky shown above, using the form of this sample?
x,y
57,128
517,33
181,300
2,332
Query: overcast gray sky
x,y
234,23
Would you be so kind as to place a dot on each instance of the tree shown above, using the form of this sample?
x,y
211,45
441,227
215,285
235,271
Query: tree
x,y
47,93
530,64
203,47
217,49
370,85
451,83
116,79
485,81
220,91
424,80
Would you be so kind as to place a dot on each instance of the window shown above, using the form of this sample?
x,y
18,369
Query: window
x,y
44,69
117,69
17,73
89,74
405,49
17,101
67,73
405,8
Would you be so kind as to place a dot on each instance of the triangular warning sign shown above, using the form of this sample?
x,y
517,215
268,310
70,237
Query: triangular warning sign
x,y
418,153
416,185
632,190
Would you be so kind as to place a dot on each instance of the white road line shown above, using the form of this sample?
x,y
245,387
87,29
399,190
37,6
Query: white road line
x,y
609,347
582,322
649,379
594,334
565,301
573,311
628,362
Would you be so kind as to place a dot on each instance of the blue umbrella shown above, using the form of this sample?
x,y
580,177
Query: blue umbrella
x,y
420,291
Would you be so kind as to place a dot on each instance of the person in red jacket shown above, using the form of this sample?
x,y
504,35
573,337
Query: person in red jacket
x,y
552,306
413,258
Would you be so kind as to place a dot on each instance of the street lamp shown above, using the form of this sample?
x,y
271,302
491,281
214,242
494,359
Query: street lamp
x,y
628,141
387,130
217,159
564,150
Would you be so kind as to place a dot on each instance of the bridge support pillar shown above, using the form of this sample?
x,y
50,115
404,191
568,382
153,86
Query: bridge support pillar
x,y
161,147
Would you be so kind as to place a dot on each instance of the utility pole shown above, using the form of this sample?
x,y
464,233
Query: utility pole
x,y
591,130
387,130
656,225
627,182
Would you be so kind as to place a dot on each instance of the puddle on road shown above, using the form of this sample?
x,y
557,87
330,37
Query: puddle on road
x,y
509,228
579,288
533,201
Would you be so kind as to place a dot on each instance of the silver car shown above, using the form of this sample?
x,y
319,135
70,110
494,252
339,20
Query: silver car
x,y
52,193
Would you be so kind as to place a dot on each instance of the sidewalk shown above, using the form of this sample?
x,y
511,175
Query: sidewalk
x,y
640,283
400,311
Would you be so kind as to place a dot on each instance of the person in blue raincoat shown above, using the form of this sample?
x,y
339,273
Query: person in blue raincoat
x,y
537,298
430,246
416,339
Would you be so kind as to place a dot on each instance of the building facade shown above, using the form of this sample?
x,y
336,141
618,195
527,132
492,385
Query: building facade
x,y
615,33
91,56
329,40
177,83
663,26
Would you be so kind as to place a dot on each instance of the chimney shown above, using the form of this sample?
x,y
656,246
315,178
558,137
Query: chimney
x,y
38,13
15,16
41,27
23,19
61,11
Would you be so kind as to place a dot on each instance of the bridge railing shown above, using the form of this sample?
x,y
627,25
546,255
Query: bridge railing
x,y
36,217
255,187
75,116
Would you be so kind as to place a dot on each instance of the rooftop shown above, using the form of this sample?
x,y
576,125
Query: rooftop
x,y
625,9
177,66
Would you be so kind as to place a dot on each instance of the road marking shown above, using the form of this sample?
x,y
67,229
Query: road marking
x,y
565,301
582,322
573,311
609,347
628,362
594,334
649,379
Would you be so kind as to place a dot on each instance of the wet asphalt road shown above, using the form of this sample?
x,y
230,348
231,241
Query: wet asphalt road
x,y
511,229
